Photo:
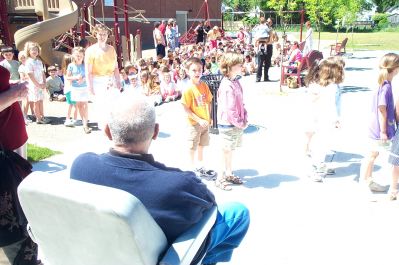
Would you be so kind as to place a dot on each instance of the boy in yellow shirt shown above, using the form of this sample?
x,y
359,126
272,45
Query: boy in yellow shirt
x,y
196,100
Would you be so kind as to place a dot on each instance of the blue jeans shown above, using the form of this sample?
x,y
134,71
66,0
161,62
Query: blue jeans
x,y
231,225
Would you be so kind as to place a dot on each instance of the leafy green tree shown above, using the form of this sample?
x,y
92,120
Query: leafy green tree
x,y
384,5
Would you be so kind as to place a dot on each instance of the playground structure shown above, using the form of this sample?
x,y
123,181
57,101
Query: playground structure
x,y
61,24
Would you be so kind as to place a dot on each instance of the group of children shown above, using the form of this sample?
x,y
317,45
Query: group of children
x,y
324,81
178,76
65,83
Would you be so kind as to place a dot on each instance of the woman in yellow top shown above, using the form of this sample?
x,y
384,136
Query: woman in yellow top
x,y
102,73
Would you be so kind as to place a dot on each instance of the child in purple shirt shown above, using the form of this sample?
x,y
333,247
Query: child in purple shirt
x,y
382,124
232,116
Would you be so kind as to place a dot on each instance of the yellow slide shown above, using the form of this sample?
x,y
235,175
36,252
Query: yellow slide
x,y
51,26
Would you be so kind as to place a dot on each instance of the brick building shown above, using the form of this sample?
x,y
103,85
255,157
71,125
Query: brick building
x,y
186,12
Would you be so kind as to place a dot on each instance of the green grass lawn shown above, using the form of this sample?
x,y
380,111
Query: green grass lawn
x,y
37,153
365,41
361,41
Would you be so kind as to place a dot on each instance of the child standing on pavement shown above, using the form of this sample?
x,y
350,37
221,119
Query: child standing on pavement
x,y
196,100
232,116
69,122
79,91
36,81
389,68
323,80
382,123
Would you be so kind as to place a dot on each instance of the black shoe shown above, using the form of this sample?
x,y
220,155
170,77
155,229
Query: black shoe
x,y
257,80
266,80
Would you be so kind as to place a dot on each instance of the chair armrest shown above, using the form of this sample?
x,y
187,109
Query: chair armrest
x,y
183,250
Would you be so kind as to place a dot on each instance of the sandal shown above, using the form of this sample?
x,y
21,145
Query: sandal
x,y
393,195
234,179
222,184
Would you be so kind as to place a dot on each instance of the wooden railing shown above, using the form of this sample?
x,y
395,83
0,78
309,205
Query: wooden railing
x,y
29,5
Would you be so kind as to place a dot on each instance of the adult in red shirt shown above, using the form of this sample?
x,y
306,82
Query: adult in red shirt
x,y
12,125
14,239
162,27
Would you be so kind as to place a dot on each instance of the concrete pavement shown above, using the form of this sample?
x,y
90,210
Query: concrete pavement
x,y
293,220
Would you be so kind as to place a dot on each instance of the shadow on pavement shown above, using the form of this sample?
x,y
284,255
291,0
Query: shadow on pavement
x,y
48,166
353,89
357,69
339,156
246,172
252,128
163,135
364,58
268,181
56,120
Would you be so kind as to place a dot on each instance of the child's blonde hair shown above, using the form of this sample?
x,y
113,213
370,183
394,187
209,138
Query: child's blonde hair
x,y
327,71
76,49
99,27
66,60
228,60
192,61
389,62
30,45
331,71
21,54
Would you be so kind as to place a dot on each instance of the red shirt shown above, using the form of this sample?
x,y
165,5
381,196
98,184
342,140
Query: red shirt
x,y
162,28
12,125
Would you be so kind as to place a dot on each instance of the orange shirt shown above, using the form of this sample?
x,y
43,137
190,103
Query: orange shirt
x,y
198,99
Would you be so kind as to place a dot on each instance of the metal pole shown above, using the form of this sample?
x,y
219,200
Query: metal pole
x,y
302,21
102,10
83,23
116,34
4,18
206,15
127,34
93,6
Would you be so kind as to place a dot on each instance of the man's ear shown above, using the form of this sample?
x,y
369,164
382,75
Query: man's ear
x,y
156,131
108,132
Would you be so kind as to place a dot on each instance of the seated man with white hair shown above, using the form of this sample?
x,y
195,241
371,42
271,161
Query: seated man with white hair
x,y
175,199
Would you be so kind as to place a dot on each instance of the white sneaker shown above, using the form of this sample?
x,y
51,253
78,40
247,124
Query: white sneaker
x,y
27,120
374,186
69,123
77,122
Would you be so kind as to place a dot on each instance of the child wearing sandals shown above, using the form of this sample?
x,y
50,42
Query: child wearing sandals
x,y
389,68
232,115
382,123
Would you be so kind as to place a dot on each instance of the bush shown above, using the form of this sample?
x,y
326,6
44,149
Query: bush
x,y
250,21
381,20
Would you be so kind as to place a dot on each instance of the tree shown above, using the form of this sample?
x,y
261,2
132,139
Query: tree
x,y
384,5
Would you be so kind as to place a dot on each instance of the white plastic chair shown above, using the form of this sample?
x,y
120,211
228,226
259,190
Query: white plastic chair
x,y
77,223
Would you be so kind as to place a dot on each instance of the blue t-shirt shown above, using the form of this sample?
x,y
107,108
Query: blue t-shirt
x,y
77,69
382,97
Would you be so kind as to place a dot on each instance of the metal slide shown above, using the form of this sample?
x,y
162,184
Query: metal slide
x,y
51,26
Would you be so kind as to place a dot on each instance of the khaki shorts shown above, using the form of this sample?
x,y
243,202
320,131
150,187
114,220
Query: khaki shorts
x,y
230,138
198,136
379,146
